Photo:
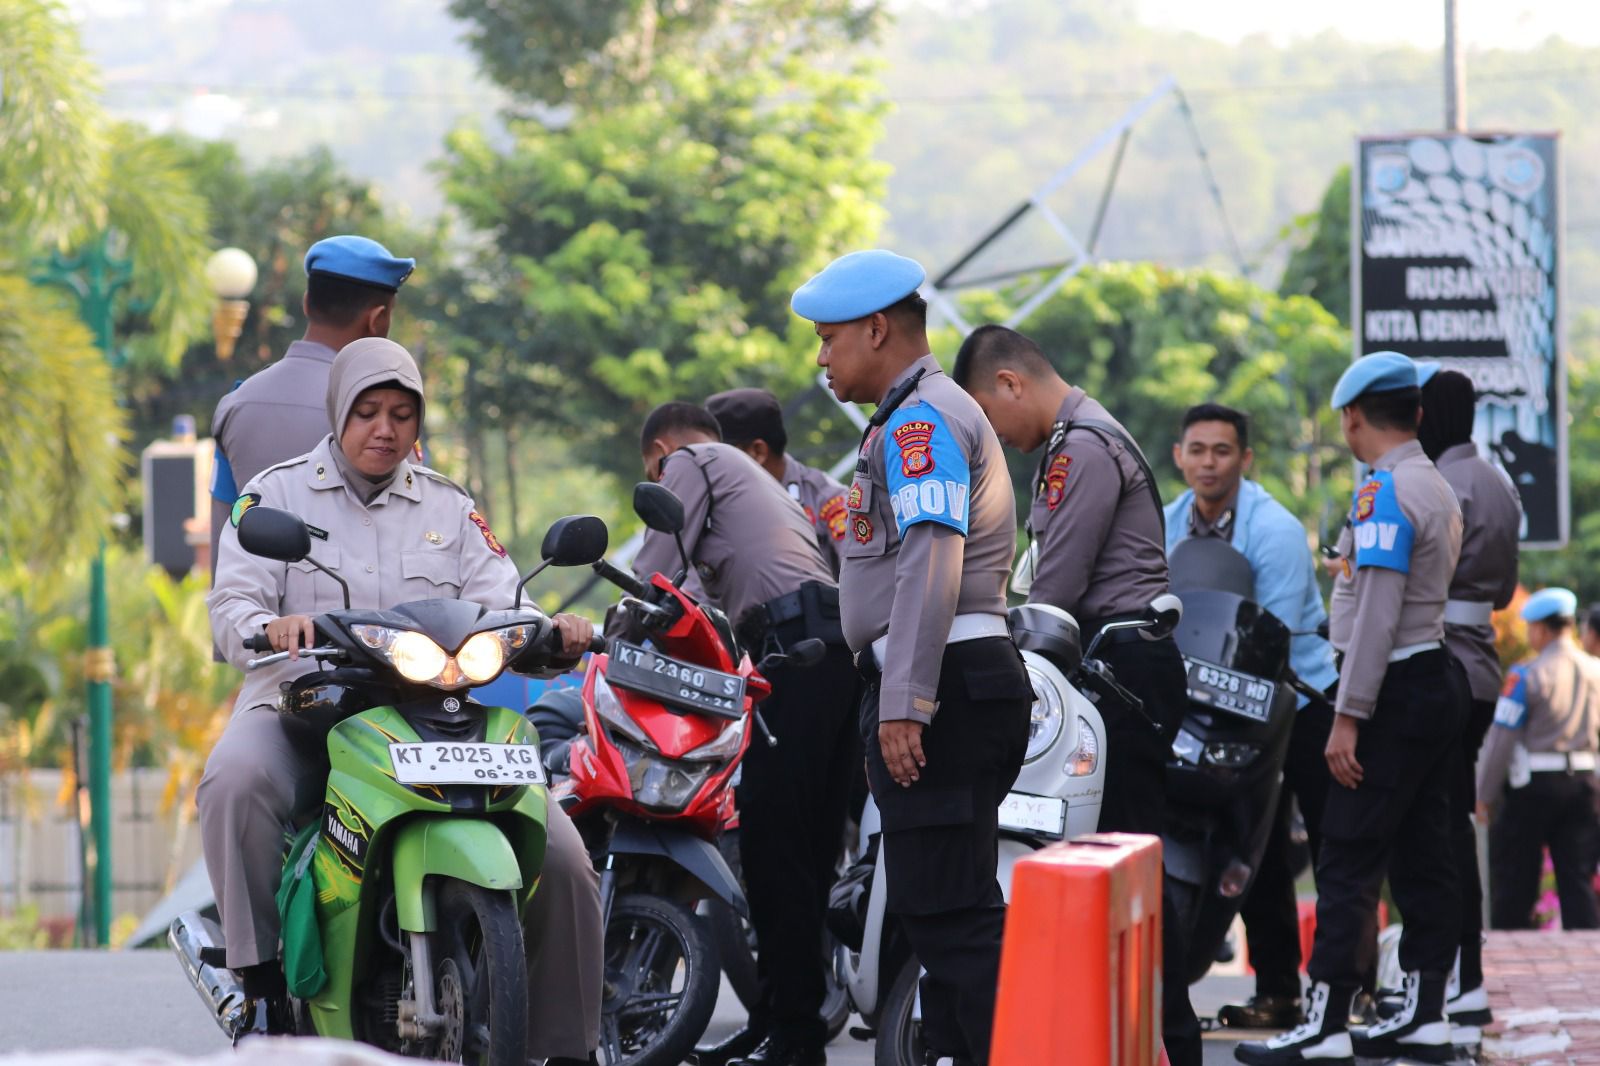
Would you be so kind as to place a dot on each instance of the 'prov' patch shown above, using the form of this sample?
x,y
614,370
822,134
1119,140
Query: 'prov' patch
x,y
1382,532
1055,481
488,534
931,482
1511,711
241,505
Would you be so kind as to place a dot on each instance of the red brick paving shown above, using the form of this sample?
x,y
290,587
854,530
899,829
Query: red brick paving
x,y
1545,991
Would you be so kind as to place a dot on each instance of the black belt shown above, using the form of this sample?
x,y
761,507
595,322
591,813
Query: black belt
x,y
814,605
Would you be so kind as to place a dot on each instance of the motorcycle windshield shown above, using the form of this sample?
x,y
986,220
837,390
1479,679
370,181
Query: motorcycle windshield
x,y
1232,631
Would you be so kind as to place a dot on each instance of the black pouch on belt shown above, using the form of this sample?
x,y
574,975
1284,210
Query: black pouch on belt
x,y
820,606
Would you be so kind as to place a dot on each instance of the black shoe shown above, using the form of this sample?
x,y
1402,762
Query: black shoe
x,y
776,1051
263,1017
742,1042
1262,1012
1419,1031
1321,1038
1364,1008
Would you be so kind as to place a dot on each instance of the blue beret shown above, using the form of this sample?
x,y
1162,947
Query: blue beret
x,y
1550,603
358,259
1378,372
856,285
1425,372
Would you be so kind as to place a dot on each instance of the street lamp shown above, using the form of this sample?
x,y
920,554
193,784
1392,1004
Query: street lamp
x,y
231,273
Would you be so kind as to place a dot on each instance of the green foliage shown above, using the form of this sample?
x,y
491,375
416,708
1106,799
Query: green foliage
x,y
1148,342
1319,267
648,250
23,931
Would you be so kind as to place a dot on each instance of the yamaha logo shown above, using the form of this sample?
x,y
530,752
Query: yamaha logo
x,y
452,705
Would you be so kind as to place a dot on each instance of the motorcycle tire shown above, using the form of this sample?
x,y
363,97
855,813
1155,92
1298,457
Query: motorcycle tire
x,y
899,1039
662,977
480,976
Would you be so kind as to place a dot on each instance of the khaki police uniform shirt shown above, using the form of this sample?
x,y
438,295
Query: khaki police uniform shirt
x,y
757,546
929,538
279,412
1551,704
421,538
1100,549
1400,548
1491,518
822,499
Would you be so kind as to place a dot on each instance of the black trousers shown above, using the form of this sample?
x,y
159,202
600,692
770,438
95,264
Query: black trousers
x,y
1271,914
940,836
1554,810
1464,841
792,800
1396,821
1135,802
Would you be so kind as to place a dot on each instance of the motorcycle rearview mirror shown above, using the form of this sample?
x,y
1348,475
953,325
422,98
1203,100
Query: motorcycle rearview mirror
x,y
576,540
804,655
282,536
662,512
1164,613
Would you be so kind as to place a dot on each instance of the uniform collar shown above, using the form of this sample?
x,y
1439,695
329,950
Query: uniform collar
x,y
304,349
794,471
1070,405
1223,527
1397,455
1457,452
927,364
323,473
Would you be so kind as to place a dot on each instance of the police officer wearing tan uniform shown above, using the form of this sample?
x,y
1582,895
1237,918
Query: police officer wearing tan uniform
x,y
279,412
1392,749
396,532
945,716
1097,550
1484,582
752,421
1538,772
757,558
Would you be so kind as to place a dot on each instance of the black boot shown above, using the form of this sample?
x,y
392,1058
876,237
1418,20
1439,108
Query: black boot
x,y
1262,1012
1321,1038
776,1050
742,1042
268,1012
1420,1030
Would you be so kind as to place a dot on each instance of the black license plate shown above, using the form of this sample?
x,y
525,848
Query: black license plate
x,y
696,688
1229,690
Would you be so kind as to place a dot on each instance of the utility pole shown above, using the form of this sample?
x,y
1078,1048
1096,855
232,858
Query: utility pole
x,y
1455,71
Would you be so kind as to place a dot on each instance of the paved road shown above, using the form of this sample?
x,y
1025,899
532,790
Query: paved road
x,y
67,1000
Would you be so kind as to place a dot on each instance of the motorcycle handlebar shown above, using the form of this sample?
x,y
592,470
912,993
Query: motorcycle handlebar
x,y
620,578
257,642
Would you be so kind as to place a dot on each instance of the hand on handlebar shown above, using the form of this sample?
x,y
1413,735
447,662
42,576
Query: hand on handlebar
x,y
291,633
574,633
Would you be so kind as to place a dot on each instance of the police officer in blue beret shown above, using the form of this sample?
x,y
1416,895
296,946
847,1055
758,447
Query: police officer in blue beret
x,y
279,412
932,531
1538,772
1401,705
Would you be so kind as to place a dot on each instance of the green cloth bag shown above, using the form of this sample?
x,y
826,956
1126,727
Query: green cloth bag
x,y
297,908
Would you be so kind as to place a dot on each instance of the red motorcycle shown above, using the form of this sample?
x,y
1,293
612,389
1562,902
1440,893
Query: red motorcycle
x,y
667,719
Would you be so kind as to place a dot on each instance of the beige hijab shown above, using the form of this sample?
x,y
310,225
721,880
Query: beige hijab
x,y
361,365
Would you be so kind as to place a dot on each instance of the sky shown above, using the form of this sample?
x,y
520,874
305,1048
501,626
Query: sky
x,y
1484,23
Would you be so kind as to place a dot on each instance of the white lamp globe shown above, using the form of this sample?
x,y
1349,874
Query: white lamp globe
x,y
231,273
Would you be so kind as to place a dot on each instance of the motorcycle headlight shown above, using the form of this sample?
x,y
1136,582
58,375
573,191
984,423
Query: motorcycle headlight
x,y
1083,759
1046,719
609,708
1187,747
482,657
1231,755
416,657
658,783
420,660
723,746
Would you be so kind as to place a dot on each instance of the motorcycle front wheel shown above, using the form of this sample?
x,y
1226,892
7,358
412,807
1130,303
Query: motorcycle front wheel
x,y
899,1040
480,977
662,977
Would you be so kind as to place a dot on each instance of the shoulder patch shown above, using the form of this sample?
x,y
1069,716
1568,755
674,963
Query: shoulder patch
x,y
1055,481
932,481
488,534
833,516
241,505
1383,534
434,475
1511,711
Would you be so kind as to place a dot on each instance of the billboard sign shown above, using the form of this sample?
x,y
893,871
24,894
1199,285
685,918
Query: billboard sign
x,y
1457,241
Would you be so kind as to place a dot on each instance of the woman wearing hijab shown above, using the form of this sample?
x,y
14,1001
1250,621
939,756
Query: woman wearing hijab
x,y
395,532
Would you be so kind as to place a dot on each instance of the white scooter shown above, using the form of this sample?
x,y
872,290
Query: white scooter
x,y
1057,796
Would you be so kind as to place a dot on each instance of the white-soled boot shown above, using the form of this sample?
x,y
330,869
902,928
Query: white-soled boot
x,y
1321,1038
1420,1030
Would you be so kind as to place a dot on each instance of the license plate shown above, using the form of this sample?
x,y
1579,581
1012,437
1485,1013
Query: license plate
x,y
696,688
1229,690
443,763
1044,815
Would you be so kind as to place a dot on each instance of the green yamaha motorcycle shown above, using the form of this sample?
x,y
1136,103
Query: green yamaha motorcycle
x,y
402,901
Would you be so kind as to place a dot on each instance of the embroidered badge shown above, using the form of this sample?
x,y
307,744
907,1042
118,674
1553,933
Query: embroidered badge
x,y
488,534
833,513
1055,481
854,501
433,537
811,516
1366,499
241,505
915,440
863,529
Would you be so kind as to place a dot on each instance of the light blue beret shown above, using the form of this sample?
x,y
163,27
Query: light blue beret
x,y
856,285
1550,603
358,259
1378,372
1425,372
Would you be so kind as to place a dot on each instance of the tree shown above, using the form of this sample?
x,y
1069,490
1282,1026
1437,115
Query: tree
x,y
647,248
1319,266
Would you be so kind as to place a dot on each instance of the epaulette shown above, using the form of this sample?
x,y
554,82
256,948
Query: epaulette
x,y
434,475
285,465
